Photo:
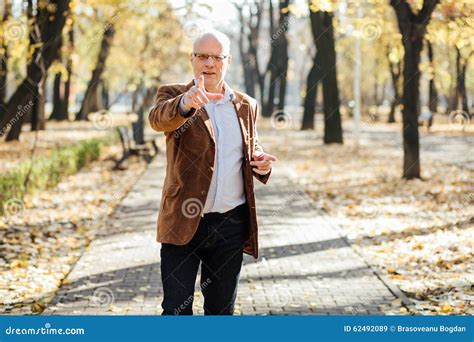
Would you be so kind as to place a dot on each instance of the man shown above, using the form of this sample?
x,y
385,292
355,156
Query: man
x,y
207,211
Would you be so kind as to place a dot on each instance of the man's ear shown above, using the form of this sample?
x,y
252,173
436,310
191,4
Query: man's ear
x,y
230,59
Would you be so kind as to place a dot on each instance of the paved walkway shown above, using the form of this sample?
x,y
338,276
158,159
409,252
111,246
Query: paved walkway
x,y
305,266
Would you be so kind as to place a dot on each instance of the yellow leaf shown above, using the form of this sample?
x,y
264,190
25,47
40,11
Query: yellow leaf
x,y
391,270
114,308
446,308
418,245
19,263
37,307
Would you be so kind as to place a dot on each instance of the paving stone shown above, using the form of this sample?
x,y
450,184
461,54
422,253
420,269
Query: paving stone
x,y
305,267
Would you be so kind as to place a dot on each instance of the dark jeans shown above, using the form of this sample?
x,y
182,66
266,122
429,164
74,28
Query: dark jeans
x,y
218,243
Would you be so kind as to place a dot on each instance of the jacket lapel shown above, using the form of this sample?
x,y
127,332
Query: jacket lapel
x,y
202,114
243,116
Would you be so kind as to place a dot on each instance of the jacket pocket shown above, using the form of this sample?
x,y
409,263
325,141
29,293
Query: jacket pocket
x,y
172,190
170,203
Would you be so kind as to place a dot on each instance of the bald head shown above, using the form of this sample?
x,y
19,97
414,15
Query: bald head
x,y
213,36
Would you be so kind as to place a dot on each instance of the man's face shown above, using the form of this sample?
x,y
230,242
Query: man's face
x,y
213,71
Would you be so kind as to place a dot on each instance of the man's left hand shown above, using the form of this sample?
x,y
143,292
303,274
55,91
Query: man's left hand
x,y
263,162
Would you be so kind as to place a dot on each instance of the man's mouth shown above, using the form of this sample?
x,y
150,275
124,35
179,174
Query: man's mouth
x,y
208,73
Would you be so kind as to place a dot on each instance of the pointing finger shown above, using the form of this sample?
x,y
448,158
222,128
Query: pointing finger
x,y
270,157
214,96
202,95
201,82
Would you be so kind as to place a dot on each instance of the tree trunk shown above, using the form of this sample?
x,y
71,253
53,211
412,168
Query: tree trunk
x,y
104,94
253,36
462,89
4,57
139,125
48,28
451,97
433,93
312,82
461,92
67,84
411,164
278,64
57,97
244,55
412,27
326,46
57,89
91,96
62,90
395,72
314,78
38,120
248,44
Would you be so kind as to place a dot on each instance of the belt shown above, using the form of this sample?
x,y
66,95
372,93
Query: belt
x,y
239,208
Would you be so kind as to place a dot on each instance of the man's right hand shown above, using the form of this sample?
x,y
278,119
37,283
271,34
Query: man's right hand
x,y
197,96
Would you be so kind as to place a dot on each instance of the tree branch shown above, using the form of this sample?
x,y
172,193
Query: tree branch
x,y
424,15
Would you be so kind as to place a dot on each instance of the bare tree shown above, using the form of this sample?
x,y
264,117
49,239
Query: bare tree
x,y
89,103
395,69
413,28
61,90
278,63
324,70
433,92
250,15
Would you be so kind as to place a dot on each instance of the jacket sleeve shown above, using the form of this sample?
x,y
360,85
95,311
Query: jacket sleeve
x,y
165,115
258,147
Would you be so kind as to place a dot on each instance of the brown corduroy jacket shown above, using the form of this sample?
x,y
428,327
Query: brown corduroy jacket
x,y
190,149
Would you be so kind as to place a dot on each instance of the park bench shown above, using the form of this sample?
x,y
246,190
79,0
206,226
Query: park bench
x,y
148,150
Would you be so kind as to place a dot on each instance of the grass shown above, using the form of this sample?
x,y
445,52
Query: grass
x,y
47,171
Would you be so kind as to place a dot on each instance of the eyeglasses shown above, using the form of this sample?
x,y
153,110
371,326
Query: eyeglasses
x,y
204,57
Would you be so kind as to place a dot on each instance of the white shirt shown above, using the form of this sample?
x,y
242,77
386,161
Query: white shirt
x,y
227,183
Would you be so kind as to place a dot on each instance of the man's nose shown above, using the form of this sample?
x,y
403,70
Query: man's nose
x,y
209,61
